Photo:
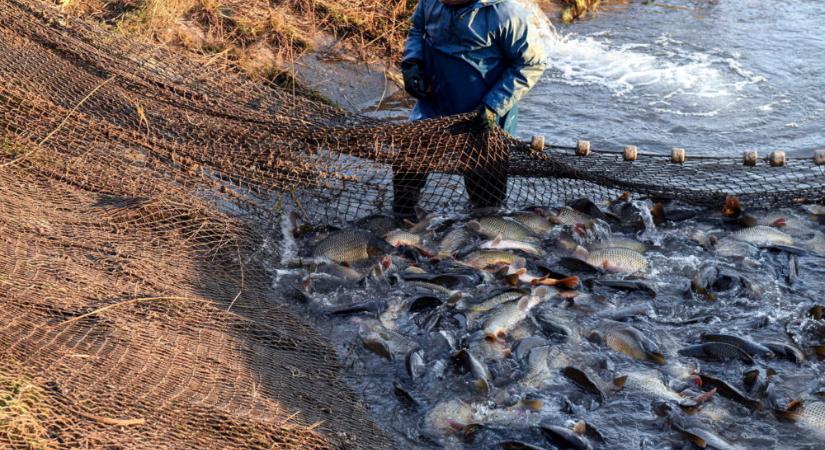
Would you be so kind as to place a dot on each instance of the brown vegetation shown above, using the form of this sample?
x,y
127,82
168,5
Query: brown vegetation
x,y
259,36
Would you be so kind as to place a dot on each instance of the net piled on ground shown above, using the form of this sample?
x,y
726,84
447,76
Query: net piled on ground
x,y
131,183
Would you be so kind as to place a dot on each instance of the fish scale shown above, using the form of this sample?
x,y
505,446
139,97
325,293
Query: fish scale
x,y
492,227
617,260
763,235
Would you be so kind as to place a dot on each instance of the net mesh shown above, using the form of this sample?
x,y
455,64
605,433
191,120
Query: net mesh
x,y
136,188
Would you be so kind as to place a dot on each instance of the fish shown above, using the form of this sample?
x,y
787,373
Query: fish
x,y
539,224
492,302
614,260
716,351
726,390
649,382
591,382
786,351
483,259
630,341
492,227
565,438
750,347
369,306
383,342
729,247
815,209
810,415
692,429
763,236
377,224
618,242
338,271
415,365
500,244
350,246
550,324
757,380
517,274
570,217
454,241
476,367
524,346
398,238
425,220
501,320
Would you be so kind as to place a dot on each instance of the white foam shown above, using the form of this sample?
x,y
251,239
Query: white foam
x,y
665,67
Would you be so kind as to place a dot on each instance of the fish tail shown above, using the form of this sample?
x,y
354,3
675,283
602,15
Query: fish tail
x,y
656,357
569,282
512,279
790,416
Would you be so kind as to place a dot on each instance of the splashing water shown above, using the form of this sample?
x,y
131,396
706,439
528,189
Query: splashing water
x,y
650,233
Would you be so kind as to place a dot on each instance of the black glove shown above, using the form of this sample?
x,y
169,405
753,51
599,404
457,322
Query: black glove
x,y
486,118
414,83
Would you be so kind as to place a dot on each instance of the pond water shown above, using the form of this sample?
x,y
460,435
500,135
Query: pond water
x,y
714,77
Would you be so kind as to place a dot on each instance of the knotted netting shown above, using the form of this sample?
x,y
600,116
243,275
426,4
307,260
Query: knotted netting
x,y
136,189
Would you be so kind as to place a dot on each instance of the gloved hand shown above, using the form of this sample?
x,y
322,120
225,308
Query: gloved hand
x,y
486,118
414,84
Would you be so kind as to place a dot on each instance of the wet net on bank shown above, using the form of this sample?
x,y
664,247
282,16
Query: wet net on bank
x,y
136,191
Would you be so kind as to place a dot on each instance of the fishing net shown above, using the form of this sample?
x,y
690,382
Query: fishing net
x,y
137,195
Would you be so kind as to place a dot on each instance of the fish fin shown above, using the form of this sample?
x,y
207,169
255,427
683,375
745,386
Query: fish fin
x,y
770,371
658,212
619,382
496,241
569,282
420,213
779,223
524,303
791,411
474,225
580,427
794,405
519,263
733,207
454,297
481,385
580,253
819,350
656,357
696,440
532,404
512,279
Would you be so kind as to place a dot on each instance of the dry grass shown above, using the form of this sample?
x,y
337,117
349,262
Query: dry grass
x,y
23,414
578,9
261,37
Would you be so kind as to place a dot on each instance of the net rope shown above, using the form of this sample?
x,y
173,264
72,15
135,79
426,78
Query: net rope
x,y
137,191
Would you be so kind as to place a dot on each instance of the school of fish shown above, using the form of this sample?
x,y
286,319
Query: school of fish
x,y
624,324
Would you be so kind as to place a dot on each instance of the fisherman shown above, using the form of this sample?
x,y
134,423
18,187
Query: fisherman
x,y
463,56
